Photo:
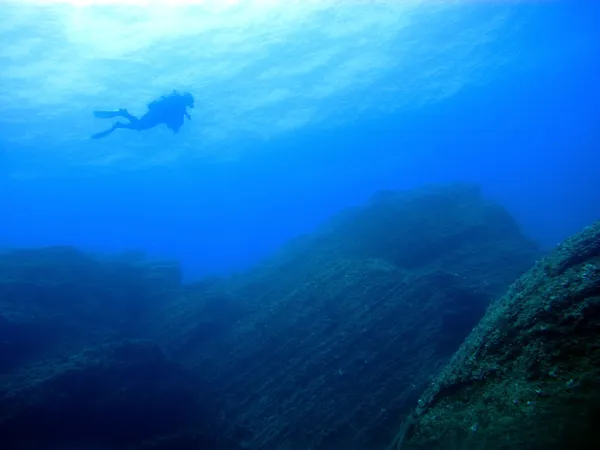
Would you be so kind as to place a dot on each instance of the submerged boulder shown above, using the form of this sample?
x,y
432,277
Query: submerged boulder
x,y
528,376
328,342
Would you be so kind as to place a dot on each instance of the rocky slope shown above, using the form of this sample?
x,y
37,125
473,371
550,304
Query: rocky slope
x,y
528,376
331,340
77,362
323,346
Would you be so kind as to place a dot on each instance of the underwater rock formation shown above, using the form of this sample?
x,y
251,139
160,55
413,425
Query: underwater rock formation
x,y
120,392
68,369
326,344
528,376
57,300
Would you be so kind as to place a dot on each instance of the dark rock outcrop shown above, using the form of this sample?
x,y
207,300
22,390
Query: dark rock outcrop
x,y
528,376
117,393
71,366
56,301
326,344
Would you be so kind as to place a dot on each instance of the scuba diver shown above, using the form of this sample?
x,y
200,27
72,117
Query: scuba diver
x,y
169,109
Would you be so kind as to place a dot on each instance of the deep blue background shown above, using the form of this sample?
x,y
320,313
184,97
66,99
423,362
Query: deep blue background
x,y
531,139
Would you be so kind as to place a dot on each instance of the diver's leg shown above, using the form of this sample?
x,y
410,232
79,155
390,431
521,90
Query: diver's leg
x,y
116,113
105,132
145,122
126,126
148,120
116,126
127,115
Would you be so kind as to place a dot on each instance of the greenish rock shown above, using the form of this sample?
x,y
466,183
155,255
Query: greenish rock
x,y
528,376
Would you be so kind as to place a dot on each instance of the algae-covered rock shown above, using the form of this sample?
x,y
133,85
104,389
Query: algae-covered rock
x,y
528,376
324,345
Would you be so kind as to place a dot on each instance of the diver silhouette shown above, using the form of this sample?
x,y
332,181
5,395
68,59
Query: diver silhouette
x,y
169,109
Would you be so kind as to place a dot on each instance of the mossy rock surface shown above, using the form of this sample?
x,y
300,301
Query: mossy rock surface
x,y
528,376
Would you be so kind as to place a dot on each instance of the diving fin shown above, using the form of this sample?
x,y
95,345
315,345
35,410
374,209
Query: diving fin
x,y
108,114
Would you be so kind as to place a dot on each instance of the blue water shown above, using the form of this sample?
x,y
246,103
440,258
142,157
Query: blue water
x,y
301,110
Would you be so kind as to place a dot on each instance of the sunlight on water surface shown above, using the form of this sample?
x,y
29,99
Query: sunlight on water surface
x,y
259,69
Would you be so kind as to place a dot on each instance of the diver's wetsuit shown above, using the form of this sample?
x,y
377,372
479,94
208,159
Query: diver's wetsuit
x,y
170,110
